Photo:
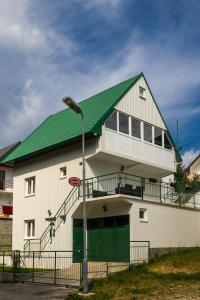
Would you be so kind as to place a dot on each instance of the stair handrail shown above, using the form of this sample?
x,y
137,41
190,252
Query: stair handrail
x,y
58,214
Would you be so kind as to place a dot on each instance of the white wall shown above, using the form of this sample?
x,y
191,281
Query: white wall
x,y
51,191
145,110
167,226
139,150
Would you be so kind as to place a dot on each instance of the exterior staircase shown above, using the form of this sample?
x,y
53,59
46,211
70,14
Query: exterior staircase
x,y
54,223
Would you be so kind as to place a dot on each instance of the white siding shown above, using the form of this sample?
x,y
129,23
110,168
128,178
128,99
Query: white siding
x,y
137,150
145,110
166,227
51,190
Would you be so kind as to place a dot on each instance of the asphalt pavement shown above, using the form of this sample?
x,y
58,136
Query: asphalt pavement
x,y
19,291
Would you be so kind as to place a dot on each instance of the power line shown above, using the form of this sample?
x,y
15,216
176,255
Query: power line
x,y
193,142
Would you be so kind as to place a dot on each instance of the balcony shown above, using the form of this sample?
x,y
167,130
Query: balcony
x,y
136,154
140,188
6,186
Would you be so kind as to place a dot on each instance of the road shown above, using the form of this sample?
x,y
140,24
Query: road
x,y
19,291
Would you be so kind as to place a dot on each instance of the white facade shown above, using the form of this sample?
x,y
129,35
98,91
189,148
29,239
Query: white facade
x,y
165,226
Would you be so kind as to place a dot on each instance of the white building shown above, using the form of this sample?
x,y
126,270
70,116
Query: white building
x,y
128,150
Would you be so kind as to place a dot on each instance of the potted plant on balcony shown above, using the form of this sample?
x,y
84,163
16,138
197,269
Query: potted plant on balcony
x,y
183,186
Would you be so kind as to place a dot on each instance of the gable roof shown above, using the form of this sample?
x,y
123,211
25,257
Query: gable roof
x,y
64,127
7,150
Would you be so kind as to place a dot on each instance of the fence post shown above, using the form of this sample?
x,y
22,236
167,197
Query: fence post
x,y
160,191
13,265
107,270
55,268
3,261
33,267
81,279
149,252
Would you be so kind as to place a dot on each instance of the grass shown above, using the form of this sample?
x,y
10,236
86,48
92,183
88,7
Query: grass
x,y
172,276
23,270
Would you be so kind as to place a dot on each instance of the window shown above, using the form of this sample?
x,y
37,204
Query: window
x,y
148,132
112,122
30,228
143,215
63,172
158,136
136,128
30,186
142,92
167,143
123,123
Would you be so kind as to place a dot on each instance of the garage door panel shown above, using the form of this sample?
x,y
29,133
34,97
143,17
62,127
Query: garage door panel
x,y
108,239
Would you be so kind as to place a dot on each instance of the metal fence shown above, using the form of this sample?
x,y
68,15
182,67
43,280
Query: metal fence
x,y
58,267
6,184
148,189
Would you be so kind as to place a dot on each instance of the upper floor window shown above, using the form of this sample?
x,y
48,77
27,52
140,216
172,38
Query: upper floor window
x,y
136,128
148,132
167,143
63,172
112,122
142,92
30,186
158,136
123,123
29,228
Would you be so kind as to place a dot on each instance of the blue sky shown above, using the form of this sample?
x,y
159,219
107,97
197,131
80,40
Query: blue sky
x,y
49,49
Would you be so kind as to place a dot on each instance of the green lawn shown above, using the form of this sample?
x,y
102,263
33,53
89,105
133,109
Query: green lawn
x,y
173,276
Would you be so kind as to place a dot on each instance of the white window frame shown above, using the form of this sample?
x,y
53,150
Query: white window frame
x,y
145,219
32,181
61,172
152,133
29,227
142,122
129,129
143,90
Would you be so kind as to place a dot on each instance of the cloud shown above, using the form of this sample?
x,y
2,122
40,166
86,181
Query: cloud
x,y
43,59
15,28
189,156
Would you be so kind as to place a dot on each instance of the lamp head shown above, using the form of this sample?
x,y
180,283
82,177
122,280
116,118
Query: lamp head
x,y
72,104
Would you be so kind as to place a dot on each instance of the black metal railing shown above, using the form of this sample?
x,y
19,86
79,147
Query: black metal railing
x,y
59,268
54,223
148,189
6,184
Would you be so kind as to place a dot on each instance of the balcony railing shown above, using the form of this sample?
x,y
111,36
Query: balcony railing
x,y
148,189
6,185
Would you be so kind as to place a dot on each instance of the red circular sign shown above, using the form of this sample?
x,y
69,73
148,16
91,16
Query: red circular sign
x,y
74,181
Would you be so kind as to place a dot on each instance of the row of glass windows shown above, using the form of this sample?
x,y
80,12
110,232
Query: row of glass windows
x,y
132,126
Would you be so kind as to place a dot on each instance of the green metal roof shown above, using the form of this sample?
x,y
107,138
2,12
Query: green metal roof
x,y
64,127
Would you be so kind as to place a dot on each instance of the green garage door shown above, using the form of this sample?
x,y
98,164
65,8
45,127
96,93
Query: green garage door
x,y
108,239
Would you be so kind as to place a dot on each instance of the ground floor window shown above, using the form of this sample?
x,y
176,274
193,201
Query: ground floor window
x,y
29,228
143,215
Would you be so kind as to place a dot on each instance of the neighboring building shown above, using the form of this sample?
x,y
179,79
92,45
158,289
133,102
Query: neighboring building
x,y
6,182
6,198
194,167
128,150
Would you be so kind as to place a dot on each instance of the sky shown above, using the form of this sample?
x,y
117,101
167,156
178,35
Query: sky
x,y
50,49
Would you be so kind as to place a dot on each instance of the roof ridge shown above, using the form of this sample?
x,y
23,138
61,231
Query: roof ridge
x,y
114,86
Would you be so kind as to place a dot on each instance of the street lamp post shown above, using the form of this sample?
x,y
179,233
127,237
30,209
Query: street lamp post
x,y
76,108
